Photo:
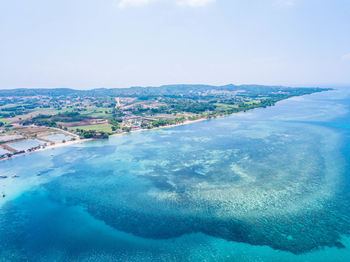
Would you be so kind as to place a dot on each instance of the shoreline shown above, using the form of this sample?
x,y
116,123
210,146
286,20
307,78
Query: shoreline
x,y
187,122
79,140
56,145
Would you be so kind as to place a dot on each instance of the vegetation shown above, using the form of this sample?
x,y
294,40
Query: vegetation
x,y
97,128
166,122
100,112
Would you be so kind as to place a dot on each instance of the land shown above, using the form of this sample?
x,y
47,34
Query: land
x,y
33,114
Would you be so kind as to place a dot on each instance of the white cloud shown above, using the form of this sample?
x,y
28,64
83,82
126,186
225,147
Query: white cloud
x,y
194,3
138,3
346,57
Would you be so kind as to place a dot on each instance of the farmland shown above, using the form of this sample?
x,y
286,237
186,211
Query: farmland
x,y
98,113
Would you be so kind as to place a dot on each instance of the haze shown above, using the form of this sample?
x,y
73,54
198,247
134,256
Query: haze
x,y
92,44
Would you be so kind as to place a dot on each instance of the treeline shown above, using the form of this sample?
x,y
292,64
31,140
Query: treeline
x,y
175,106
115,122
167,122
192,107
167,90
91,134
13,111
52,120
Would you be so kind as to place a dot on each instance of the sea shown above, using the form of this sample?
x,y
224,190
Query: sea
x,y
270,184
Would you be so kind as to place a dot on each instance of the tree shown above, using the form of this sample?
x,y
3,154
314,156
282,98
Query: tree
x,y
115,128
126,128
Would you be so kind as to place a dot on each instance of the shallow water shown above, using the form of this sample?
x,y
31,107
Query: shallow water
x,y
266,185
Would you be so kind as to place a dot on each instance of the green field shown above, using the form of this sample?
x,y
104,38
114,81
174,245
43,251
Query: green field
x,y
252,102
97,112
6,121
227,106
98,128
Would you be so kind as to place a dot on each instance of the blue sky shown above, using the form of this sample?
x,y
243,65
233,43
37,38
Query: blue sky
x,y
122,43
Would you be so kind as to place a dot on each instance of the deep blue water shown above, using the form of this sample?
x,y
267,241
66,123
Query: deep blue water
x,y
266,185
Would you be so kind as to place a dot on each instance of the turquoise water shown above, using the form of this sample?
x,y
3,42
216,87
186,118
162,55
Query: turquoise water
x,y
267,185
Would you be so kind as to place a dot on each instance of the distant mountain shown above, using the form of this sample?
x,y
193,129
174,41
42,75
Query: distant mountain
x,y
165,90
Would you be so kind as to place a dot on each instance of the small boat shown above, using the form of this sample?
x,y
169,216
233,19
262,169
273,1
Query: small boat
x,y
15,175
39,174
3,195
3,177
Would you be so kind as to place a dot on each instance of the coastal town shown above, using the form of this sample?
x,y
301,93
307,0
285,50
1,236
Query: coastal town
x,y
35,119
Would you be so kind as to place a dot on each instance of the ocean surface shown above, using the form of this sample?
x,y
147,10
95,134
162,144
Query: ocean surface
x,y
266,185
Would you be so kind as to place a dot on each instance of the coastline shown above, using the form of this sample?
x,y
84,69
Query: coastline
x,y
56,145
79,140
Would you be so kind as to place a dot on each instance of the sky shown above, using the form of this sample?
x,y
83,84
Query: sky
x,y
120,43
